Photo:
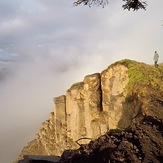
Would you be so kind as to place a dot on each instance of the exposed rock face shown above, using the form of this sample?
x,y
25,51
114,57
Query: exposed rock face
x,y
45,143
83,104
114,81
141,142
121,97
90,108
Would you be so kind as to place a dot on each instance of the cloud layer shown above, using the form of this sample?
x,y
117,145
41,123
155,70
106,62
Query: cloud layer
x,y
53,44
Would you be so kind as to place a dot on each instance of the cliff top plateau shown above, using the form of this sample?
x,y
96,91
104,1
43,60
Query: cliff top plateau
x,y
115,116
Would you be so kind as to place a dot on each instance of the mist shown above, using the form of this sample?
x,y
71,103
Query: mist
x,y
27,91
46,46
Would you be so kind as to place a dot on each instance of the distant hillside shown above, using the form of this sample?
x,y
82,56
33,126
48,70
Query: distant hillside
x,y
117,114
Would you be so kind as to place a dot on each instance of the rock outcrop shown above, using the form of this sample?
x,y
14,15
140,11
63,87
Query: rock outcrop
x,y
126,97
39,159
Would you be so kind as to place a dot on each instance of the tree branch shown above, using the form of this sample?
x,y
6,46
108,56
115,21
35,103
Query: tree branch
x,y
129,4
134,4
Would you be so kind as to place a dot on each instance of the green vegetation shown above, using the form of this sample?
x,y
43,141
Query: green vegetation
x,y
76,85
142,75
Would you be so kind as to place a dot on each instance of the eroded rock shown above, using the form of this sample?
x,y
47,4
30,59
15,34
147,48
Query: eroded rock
x,y
123,104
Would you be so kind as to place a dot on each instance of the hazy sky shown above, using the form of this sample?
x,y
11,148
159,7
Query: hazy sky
x,y
47,45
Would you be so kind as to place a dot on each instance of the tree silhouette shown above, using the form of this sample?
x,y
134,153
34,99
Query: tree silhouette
x,y
128,4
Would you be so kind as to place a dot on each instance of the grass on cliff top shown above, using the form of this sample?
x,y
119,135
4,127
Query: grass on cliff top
x,y
75,85
141,74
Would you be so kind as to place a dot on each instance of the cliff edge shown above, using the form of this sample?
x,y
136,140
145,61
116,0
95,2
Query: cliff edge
x,y
122,106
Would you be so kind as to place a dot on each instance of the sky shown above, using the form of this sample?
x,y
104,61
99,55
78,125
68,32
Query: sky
x,y
47,45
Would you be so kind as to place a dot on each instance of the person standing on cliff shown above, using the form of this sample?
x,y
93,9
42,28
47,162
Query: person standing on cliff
x,y
156,56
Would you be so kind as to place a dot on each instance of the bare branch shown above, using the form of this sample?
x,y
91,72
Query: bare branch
x,y
77,141
91,2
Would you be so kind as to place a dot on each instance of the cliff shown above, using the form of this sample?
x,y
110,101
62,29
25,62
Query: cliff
x,y
127,93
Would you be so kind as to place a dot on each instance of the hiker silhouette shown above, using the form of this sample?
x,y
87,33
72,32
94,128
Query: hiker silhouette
x,y
156,56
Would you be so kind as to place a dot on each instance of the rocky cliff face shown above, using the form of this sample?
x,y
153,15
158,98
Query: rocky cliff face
x,y
116,98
